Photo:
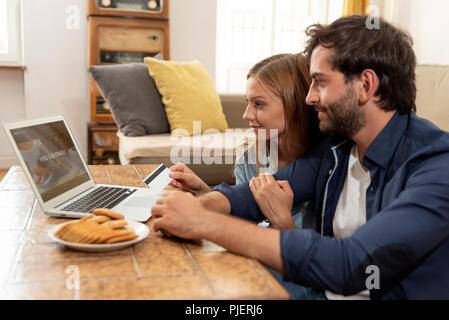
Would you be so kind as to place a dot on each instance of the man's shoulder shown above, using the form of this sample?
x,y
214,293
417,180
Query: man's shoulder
x,y
423,134
423,143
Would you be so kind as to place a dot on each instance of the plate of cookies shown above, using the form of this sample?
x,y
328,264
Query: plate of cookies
x,y
103,230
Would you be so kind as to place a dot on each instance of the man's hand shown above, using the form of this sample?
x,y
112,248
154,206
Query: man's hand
x,y
187,180
180,214
275,200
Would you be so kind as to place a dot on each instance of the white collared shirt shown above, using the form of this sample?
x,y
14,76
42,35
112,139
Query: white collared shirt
x,y
350,213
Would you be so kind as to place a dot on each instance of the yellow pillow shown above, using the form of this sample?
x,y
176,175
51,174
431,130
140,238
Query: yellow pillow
x,y
188,94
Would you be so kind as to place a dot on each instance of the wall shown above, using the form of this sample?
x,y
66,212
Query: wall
x,y
193,32
12,107
55,80
427,23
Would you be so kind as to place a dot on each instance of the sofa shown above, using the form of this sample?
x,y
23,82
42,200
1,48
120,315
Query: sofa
x,y
432,98
432,103
156,148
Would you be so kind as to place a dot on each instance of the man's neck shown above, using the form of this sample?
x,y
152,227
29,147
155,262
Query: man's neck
x,y
377,119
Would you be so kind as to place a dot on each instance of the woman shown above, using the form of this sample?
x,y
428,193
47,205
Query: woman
x,y
276,90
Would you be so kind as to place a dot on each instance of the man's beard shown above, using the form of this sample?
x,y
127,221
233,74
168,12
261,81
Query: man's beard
x,y
343,116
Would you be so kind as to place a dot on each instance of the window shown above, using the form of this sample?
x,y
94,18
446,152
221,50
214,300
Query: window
x,y
251,30
10,33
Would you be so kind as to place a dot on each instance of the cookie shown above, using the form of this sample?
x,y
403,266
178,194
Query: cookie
x,y
126,237
102,234
116,233
108,212
61,230
115,224
69,233
100,219
100,227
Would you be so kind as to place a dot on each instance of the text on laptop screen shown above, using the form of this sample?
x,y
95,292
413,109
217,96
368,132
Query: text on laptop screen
x,y
51,158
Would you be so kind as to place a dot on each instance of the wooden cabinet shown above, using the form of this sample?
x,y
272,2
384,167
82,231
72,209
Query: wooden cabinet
x,y
122,31
122,40
102,144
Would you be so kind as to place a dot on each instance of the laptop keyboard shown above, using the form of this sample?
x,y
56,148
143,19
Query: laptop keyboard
x,y
102,197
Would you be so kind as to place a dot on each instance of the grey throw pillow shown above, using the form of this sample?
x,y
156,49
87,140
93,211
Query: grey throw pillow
x,y
133,98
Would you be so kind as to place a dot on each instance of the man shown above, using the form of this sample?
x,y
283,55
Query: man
x,y
380,183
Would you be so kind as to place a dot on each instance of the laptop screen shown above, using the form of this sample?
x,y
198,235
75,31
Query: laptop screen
x,y
51,157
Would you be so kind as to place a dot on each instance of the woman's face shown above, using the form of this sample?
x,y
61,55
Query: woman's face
x,y
265,110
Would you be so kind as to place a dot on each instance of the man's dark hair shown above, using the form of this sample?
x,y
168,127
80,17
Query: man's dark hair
x,y
387,50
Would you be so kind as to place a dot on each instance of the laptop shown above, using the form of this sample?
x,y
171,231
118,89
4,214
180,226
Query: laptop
x,y
60,178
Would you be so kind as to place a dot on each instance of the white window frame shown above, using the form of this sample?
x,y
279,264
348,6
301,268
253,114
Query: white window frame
x,y
13,57
323,11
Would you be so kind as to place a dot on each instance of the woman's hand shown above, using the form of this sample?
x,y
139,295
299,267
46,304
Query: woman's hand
x,y
275,200
186,179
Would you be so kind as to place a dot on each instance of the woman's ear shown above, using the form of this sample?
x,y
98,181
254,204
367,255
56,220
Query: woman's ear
x,y
369,84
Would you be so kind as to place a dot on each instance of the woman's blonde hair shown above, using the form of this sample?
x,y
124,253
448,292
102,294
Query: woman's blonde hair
x,y
287,76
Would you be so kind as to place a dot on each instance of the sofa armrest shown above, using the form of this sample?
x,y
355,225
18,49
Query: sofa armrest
x,y
234,106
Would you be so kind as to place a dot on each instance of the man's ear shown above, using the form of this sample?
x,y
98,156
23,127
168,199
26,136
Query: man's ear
x,y
369,82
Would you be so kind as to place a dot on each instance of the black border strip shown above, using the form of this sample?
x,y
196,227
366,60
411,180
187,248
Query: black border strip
x,y
154,174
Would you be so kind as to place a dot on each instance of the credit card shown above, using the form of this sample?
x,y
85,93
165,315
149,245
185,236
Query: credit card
x,y
158,179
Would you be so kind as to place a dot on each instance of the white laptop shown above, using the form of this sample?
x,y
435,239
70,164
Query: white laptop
x,y
60,178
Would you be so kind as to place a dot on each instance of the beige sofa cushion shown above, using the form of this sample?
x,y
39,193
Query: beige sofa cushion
x,y
234,106
432,97
219,144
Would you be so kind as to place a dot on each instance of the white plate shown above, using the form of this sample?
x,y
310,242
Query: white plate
x,y
141,230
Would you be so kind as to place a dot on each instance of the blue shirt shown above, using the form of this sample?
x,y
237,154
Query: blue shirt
x,y
406,235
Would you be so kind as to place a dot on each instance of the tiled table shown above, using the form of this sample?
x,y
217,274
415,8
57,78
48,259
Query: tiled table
x,y
33,267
